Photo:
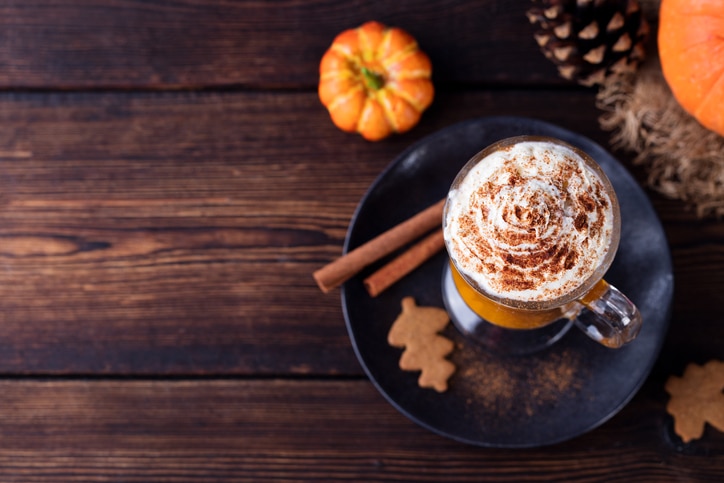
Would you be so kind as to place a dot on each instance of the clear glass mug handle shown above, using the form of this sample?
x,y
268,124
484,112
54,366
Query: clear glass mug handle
x,y
607,316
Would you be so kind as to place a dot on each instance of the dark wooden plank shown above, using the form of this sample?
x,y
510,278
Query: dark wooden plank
x,y
192,43
176,233
304,431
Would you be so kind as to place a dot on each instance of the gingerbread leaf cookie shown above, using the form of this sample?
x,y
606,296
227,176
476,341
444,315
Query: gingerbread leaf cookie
x,y
697,399
416,329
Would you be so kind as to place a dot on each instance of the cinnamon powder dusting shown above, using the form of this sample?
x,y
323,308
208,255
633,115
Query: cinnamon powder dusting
x,y
535,222
502,386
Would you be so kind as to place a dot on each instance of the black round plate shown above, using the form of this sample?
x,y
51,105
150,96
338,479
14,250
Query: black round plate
x,y
495,401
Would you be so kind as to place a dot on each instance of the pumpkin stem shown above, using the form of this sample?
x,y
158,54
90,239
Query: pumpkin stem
x,y
372,79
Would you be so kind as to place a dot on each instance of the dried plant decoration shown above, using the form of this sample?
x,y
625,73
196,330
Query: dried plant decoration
x,y
683,159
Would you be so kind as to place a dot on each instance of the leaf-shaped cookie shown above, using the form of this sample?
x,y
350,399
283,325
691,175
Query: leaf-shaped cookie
x,y
697,399
416,329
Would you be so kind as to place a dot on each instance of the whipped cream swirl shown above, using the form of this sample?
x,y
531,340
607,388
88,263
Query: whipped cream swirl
x,y
529,222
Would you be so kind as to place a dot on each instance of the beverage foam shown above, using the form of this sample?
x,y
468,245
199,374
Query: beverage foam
x,y
529,222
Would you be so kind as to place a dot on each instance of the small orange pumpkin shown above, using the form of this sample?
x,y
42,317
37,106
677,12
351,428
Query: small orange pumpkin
x,y
691,50
375,80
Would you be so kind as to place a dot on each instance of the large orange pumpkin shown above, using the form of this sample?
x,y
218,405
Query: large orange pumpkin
x,y
691,49
375,80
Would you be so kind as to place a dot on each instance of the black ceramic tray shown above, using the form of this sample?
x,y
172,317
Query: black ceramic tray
x,y
514,401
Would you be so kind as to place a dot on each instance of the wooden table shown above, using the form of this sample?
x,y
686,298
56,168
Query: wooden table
x,y
170,181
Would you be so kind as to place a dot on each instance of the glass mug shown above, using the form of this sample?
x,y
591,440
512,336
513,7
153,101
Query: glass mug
x,y
529,242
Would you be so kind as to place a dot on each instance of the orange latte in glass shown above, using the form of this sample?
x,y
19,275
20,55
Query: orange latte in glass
x,y
531,225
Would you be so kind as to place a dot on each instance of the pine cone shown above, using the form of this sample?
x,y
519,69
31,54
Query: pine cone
x,y
590,39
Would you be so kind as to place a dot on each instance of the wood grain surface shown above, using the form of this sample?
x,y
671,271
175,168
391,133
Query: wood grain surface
x,y
221,430
170,181
200,43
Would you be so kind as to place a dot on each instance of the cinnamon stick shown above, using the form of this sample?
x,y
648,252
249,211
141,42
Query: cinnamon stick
x,y
345,267
404,264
